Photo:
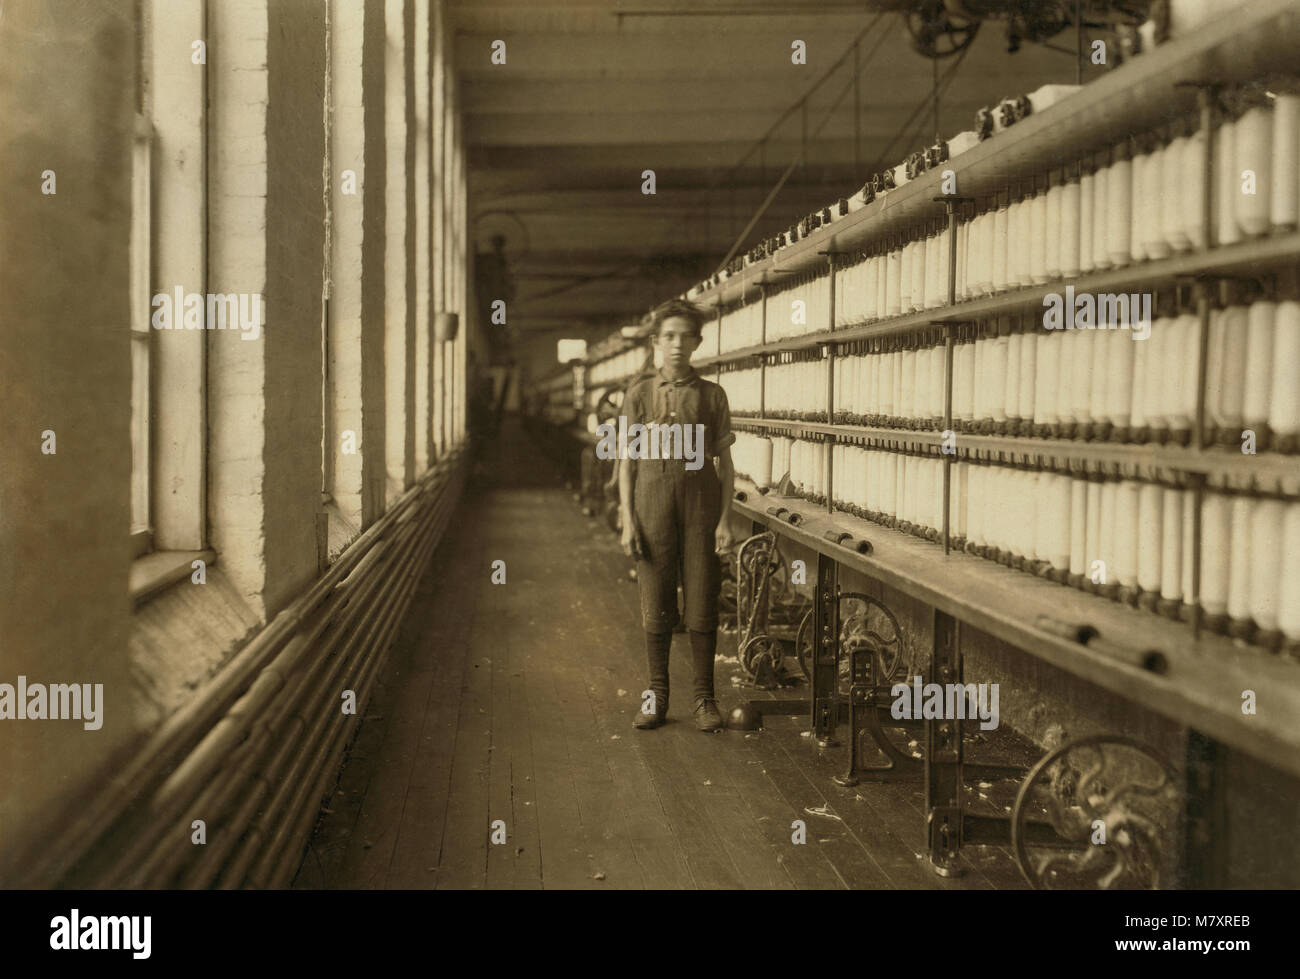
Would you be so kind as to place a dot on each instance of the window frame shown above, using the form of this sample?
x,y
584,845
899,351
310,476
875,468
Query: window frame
x,y
141,336
168,245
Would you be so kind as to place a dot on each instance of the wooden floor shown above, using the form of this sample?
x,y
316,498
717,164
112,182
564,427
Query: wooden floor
x,y
515,702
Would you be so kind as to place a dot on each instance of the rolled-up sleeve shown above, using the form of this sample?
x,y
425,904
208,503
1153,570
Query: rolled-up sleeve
x,y
723,436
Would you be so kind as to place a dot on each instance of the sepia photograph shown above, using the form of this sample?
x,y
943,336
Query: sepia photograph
x,y
648,445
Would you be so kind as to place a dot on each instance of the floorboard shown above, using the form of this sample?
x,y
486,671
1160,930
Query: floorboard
x,y
515,702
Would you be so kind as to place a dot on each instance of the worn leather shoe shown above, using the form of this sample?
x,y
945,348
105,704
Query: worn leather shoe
x,y
707,716
648,722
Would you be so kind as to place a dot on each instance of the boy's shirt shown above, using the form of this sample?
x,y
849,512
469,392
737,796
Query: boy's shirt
x,y
690,400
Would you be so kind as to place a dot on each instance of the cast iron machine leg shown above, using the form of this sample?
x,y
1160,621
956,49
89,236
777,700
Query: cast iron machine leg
x,y
826,638
1205,814
867,698
943,755
877,657
760,654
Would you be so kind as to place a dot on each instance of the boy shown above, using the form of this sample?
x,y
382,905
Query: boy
x,y
674,510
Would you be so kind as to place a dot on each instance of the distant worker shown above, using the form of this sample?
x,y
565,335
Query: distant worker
x,y
491,283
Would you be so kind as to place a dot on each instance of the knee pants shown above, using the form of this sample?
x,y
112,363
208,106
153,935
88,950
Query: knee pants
x,y
677,510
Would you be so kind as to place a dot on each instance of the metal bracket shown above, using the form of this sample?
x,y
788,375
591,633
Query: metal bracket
x,y
1204,814
825,658
943,827
866,698
943,754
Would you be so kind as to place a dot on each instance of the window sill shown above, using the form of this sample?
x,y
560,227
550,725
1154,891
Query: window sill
x,y
340,532
156,572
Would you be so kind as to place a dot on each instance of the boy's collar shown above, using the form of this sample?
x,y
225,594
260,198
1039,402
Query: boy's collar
x,y
689,377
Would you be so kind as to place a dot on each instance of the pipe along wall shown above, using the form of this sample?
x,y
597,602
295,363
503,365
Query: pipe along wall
x,y
255,753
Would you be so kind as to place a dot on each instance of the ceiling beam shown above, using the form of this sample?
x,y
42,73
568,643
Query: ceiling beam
x,y
822,176
505,96
664,158
584,258
784,8
732,54
498,20
647,238
645,129
599,204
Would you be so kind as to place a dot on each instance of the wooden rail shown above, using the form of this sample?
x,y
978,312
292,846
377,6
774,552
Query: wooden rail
x,y
1204,677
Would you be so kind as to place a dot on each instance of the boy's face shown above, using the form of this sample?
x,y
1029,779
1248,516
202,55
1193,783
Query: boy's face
x,y
677,341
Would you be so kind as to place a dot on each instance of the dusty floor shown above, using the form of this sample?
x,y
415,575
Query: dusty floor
x,y
515,702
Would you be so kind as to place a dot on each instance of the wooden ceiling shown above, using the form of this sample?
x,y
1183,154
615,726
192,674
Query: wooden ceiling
x,y
593,92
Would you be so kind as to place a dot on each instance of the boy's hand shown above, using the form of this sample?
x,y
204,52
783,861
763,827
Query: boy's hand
x,y
723,541
630,537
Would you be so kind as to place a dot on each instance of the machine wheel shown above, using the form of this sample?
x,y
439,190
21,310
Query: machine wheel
x,y
609,406
864,621
1095,813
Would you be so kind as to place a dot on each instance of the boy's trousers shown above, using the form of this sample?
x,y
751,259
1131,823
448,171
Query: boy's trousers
x,y
677,510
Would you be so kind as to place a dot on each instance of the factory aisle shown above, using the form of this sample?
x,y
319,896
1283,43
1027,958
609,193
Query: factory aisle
x,y
515,701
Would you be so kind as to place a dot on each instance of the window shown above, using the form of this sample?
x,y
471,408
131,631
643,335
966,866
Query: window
x,y
141,253
327,260
167,256
141,271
